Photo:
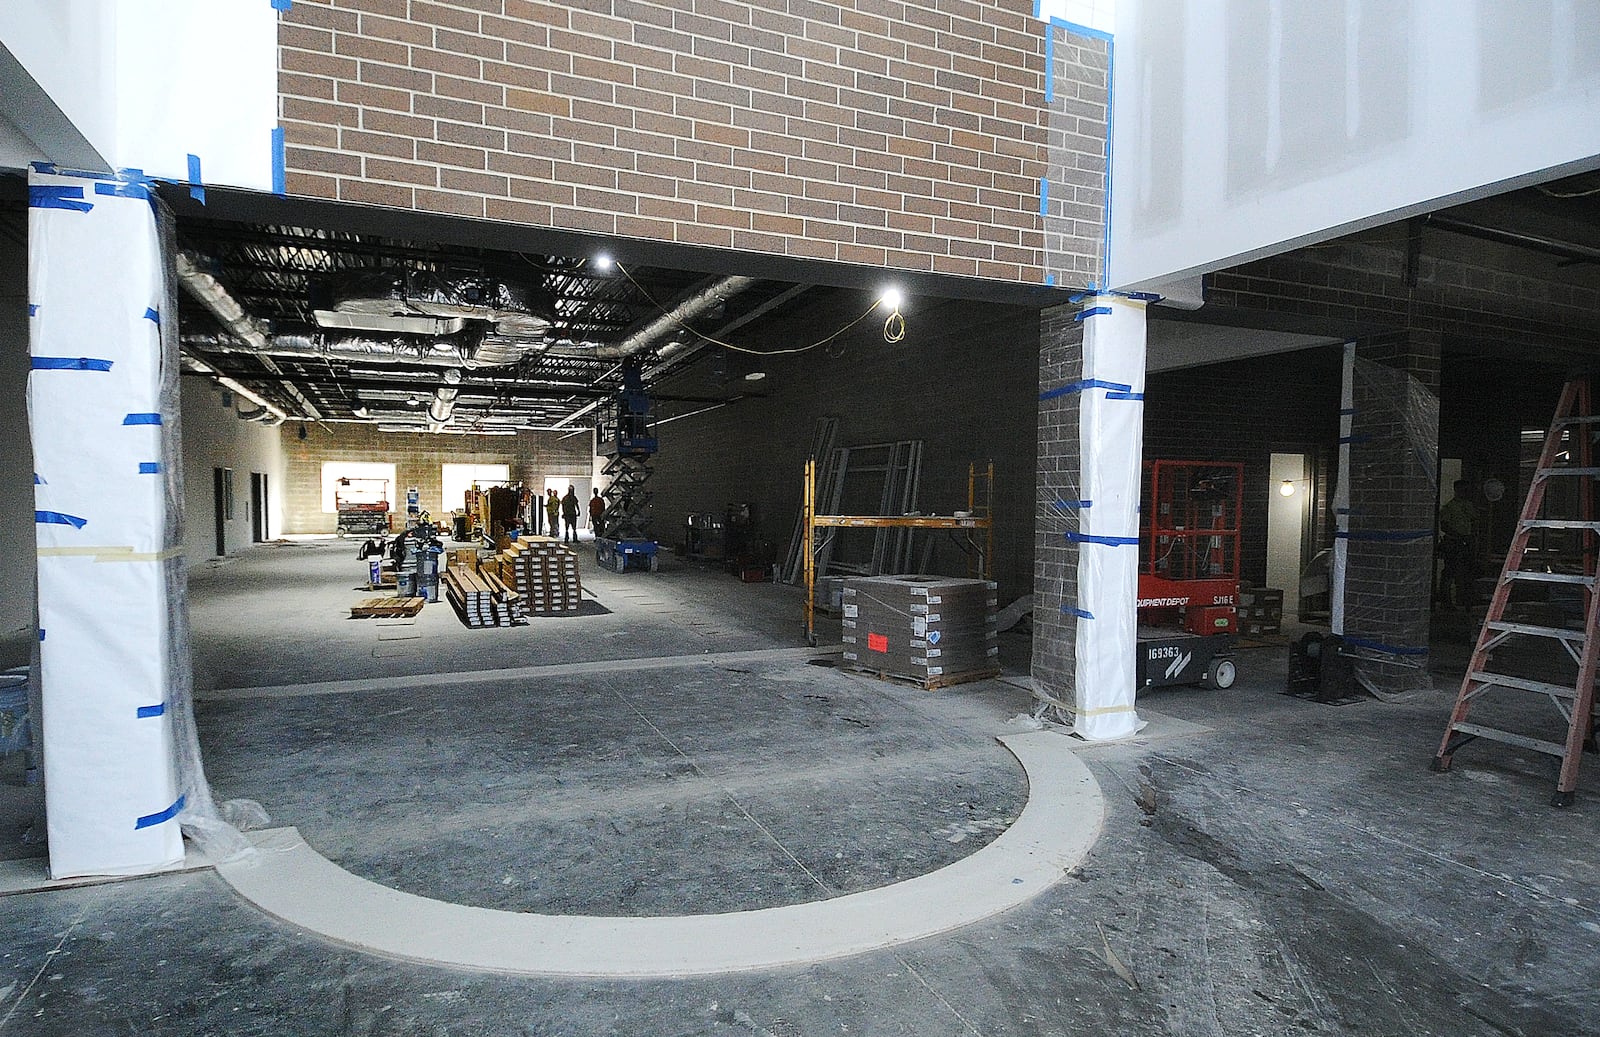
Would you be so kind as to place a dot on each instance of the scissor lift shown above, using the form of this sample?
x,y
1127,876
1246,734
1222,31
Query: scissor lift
x,y
626,434
1189,573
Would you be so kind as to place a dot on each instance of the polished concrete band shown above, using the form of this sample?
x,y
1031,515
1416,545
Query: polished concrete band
x,y
1060,822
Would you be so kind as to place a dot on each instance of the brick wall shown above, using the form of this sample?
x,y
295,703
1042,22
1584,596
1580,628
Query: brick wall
x,y
1055,561
1247,410
962,381
418,459
1078,97
876,132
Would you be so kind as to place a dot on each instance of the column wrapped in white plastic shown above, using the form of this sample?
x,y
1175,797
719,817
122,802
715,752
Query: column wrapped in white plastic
x,y
96,294
1111,435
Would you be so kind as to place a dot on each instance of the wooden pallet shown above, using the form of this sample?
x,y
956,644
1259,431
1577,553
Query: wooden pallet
x,y
933,683
386,608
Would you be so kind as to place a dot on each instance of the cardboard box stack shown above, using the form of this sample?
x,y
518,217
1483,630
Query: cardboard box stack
x,y
545,572
937,630
1260,610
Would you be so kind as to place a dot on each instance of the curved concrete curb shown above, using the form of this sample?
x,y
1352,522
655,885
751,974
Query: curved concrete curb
x,y
1056,828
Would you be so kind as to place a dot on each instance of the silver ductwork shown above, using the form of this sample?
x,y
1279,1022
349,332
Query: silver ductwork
x,y
398,349
443,406
696,304
420,302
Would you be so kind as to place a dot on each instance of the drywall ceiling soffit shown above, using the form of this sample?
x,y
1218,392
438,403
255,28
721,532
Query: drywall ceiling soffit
x,y
29,119
1173,345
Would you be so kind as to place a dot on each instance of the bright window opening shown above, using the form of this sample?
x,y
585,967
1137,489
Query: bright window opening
x,y
360,474
458,478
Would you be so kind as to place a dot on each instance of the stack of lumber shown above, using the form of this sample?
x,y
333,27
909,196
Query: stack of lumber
x,y
386,608
481,599
544,571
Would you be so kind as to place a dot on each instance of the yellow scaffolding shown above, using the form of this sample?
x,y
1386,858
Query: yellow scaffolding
x,y
973,530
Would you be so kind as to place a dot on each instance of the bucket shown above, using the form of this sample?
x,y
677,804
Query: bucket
x,y
14,727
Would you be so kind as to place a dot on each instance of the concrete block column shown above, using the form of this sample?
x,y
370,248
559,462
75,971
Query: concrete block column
x,y
99,413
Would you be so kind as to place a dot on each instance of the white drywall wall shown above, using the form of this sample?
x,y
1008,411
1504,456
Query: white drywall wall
x,y
150,84
16,460
1245,127
213,437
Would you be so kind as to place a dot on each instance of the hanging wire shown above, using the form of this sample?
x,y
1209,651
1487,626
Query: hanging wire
x,y
767,352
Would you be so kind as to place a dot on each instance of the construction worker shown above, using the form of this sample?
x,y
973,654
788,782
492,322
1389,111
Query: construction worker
x,y
1457,521
597,509
552,514
569,514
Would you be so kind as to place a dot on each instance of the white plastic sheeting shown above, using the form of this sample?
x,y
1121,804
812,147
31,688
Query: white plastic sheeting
x,y
96,299
1110,436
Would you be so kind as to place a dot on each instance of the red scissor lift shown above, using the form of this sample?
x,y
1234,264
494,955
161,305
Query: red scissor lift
x,y
1189,516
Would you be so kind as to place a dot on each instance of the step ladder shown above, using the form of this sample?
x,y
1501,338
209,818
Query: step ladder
x,y
1567,460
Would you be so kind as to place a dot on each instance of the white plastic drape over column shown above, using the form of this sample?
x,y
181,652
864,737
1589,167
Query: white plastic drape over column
x,y
96,296
1110,437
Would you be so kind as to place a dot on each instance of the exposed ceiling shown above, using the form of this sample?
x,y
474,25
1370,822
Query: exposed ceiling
x,y
357,326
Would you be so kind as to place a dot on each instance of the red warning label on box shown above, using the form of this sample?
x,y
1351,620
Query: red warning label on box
x,y
877,643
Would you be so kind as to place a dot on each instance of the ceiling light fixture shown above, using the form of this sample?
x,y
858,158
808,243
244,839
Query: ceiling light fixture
x,y
755,376
890,298
603,261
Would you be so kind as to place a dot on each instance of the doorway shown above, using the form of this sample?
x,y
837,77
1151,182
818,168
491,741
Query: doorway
x,y
1288,511
260,528
222,505
583,485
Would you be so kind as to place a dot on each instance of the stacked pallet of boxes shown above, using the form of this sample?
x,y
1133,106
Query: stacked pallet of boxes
x,y
545,572
1260,610
481,599
934,630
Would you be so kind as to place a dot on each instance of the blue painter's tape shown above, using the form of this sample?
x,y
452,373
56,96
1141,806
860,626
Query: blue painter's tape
x,y
1355,439
1086,538
59,518
1347,410
152,711
1093,311
1044,196
196,189
1036,5
33,309
1124,395
41,633
150,820
142,419
1388,535
1087,383
149,467
282,5
150,313
1080,613
279,178
57,196
114,190
1379,646
1077,505
1081,30
1049,63
38,480
1050,279
70,363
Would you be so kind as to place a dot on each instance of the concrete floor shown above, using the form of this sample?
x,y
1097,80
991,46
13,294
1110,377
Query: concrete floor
x,y
1268,865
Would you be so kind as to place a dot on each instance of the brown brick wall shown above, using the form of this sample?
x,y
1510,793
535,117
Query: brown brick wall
x,y
418,459
875,132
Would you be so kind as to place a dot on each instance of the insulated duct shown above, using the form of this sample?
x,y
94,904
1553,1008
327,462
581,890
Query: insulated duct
x,y
422,302
695,304
453,352
443,406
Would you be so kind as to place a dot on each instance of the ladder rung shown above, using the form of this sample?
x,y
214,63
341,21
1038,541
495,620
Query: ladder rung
x,y
1494,734
1559,524
1500,680
1522,574
1560,633
1546,472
